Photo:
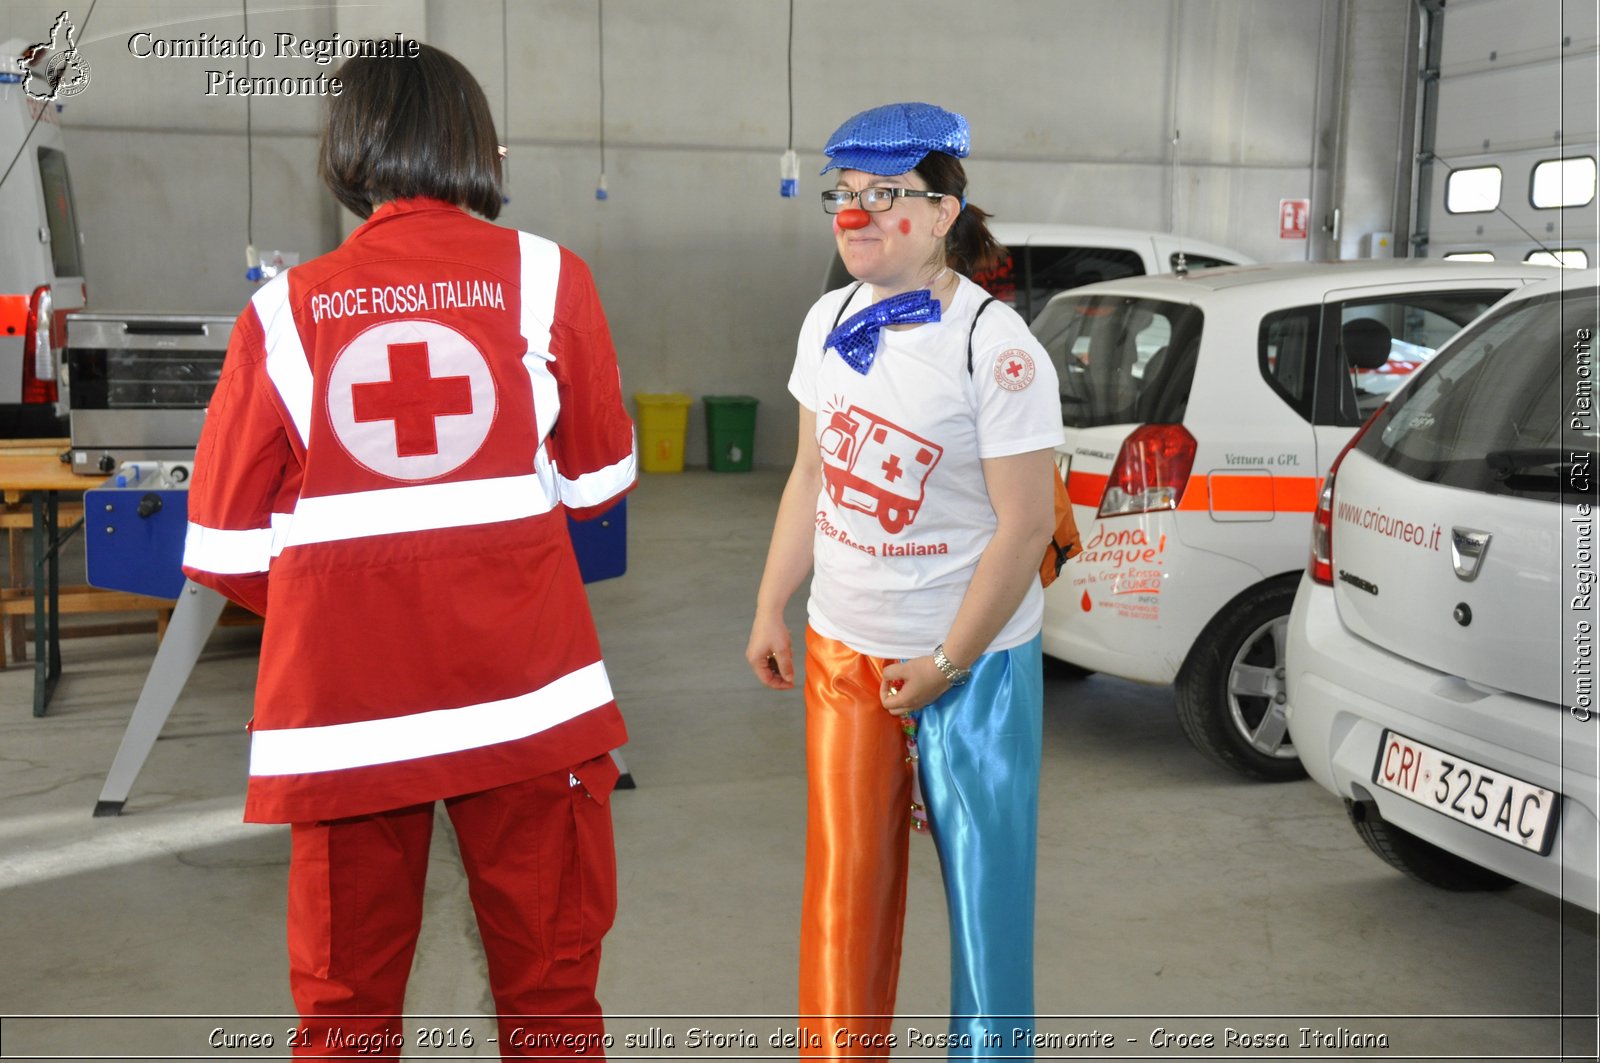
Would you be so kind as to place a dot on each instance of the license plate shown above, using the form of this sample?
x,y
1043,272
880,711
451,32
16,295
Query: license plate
x,y
1492,801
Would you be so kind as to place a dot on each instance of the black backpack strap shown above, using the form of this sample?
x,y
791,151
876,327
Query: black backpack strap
x,y
840,316
977,314
845,305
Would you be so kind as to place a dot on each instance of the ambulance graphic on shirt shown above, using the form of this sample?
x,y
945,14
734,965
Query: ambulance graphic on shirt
x,y
876,467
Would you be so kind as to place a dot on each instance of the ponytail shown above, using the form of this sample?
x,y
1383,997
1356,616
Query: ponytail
x,y
969,245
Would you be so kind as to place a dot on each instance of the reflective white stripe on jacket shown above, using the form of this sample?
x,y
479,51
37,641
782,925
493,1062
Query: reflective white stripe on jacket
x,y
292,751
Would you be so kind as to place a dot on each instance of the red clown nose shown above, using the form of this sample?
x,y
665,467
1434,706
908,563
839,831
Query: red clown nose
x,y
854,218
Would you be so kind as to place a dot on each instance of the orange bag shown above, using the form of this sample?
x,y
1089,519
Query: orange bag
x,y
1066,541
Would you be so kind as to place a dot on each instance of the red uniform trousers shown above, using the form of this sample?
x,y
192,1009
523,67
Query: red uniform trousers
x,y
541,871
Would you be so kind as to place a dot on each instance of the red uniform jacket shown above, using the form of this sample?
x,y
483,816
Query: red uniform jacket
x,y
384,474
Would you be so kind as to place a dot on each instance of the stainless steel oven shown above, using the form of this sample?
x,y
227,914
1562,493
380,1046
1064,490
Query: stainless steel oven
x,y
138,384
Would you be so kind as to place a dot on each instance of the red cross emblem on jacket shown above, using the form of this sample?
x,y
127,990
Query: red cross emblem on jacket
x,y
411,400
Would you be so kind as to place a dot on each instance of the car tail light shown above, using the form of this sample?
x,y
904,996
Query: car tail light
x,y
1320,567
1151,470
42,349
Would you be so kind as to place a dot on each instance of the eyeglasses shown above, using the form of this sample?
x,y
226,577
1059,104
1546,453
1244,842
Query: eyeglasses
x,y
873,200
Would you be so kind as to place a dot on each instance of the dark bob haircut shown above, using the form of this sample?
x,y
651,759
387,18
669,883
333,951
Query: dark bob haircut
x,y
410,126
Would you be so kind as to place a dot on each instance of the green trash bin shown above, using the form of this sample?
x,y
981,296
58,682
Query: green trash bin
x,y
730,431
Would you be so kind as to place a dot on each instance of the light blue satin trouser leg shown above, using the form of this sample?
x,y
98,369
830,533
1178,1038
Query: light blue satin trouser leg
x,y
979,749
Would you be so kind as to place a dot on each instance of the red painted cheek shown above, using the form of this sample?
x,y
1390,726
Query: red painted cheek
x,y
905,226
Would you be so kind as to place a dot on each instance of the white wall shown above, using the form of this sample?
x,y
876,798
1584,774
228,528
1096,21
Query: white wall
x,y
705,270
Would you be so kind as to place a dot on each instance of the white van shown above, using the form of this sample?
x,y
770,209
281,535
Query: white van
x,y
41,253
1046,259
1201,413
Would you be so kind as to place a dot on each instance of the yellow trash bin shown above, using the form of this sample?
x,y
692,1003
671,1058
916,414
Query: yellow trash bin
x,y
663,423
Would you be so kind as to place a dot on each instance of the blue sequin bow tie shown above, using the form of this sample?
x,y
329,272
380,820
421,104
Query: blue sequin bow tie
x,y
856,339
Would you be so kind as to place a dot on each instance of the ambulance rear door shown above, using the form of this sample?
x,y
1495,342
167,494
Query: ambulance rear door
x,y
41,263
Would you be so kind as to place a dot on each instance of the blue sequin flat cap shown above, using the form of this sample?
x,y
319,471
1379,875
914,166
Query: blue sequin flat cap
x,y
892,139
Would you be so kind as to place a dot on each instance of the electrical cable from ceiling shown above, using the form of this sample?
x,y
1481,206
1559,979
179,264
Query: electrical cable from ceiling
x,y
505,106
600,27
252,262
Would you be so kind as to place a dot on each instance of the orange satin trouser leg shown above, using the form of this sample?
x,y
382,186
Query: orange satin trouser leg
x,y
857,826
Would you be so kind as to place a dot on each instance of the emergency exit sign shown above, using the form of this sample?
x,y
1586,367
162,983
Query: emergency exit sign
x,y
1294,219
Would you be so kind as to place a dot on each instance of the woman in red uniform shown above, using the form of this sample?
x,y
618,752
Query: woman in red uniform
x,y
399,432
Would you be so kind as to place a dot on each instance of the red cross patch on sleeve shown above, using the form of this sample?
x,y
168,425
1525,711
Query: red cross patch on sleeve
x,y
1014,369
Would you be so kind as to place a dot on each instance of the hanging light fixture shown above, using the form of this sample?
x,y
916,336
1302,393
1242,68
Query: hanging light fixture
x,y
789,165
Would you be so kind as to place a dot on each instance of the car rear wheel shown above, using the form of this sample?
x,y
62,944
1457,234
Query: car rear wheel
x,y
1231,692
1421,860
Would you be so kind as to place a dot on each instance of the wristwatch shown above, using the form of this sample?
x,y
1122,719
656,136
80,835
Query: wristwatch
x,y
955,676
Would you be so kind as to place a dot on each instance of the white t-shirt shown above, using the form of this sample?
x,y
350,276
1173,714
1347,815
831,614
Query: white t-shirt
x,y
904,514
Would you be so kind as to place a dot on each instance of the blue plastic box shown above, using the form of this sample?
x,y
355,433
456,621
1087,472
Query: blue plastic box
x,y
601,543
134,526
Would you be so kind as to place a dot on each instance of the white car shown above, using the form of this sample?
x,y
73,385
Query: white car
x,y
1201,412
1441,647
1043,259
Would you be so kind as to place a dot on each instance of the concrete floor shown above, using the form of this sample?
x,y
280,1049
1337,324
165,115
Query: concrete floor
x,y
1172,895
